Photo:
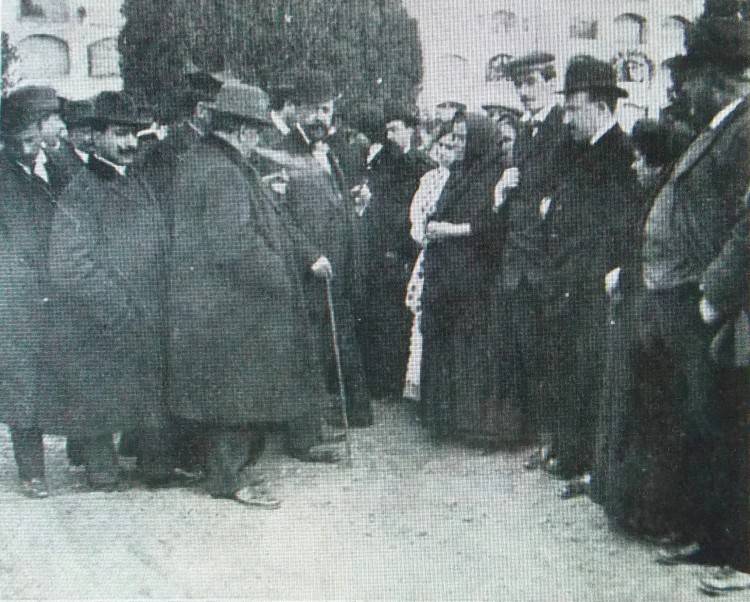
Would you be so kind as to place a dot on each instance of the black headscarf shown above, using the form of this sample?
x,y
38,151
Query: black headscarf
x,y
480,163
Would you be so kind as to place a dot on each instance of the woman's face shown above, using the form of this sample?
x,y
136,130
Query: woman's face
x,y
446,150
460,132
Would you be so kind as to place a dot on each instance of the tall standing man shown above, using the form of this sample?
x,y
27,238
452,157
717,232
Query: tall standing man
x,y
242,354
25,221
590,225
539,159
694,220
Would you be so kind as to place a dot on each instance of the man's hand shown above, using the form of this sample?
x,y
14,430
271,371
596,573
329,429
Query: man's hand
x,y
709,313
612,282
510,179
322,268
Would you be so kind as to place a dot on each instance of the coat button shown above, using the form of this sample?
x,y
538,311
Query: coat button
x,y
567,295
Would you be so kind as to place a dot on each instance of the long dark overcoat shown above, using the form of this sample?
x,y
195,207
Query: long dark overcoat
x,y
107,268
26,212
389,253
240,341
591,221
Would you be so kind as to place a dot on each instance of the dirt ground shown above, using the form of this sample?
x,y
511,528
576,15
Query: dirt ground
x,y
410,521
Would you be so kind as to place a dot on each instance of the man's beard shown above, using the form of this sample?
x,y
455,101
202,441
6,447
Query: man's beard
x,y
315,130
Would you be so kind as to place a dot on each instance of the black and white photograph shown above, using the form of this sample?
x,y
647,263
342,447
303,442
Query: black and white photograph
x,y
375,300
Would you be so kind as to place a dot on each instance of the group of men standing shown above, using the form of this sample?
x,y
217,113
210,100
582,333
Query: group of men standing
x,y
628,308
182,295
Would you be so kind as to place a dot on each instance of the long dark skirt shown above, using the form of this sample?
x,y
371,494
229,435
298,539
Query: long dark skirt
x,y
467,386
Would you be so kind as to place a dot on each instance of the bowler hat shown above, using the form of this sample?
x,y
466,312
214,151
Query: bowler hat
x,y
528,63
77,113
245,102
715,42
587,74
399,111
27,105
314,86
117,108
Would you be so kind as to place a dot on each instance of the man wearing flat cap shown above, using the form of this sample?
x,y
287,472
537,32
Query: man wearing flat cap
x,y
587,221
240,341
107,267
26,215
540,155
393,178
688,241
319,207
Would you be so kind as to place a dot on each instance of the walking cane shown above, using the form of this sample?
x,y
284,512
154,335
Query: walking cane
x,y
339,371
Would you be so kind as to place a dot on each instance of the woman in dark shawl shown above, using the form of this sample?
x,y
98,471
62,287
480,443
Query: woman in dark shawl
x,y
462,396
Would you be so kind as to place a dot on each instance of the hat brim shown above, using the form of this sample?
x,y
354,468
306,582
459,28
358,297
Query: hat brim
x,y
619,92
261,121
122,121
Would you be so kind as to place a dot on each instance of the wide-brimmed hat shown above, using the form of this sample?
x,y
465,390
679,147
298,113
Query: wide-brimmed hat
x,y
528,63
245,102
77,113
27,105
314,86
587,74
721,42
117,108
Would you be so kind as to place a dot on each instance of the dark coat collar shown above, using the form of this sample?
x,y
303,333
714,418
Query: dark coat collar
x,y
102,169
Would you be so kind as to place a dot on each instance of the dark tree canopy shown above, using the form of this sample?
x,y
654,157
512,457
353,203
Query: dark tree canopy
x,y
370,46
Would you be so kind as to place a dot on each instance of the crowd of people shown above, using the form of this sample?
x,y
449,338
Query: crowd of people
x,y
539,279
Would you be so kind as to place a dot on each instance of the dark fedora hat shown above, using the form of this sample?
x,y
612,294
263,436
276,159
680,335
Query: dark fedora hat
x,y
245,102
27,105
713,42
77,113
117,108
399,111
314,86
586,74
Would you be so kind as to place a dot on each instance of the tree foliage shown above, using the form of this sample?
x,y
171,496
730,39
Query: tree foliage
x,y
370,46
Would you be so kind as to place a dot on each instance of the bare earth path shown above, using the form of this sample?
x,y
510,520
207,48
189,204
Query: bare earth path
x,y
410,521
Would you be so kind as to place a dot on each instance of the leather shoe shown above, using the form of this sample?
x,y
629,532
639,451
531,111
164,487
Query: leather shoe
x,y
537,459
691,553
725,580
35,489
576,487
249,496
328,454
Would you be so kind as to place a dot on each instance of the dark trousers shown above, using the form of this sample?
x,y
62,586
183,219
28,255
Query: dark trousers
x,y
28,449
228,451
571,366
303,433
671,326
100,459
527,338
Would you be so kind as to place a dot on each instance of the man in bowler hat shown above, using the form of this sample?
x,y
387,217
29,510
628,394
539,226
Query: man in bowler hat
x,y
695,217
587,225
107,267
